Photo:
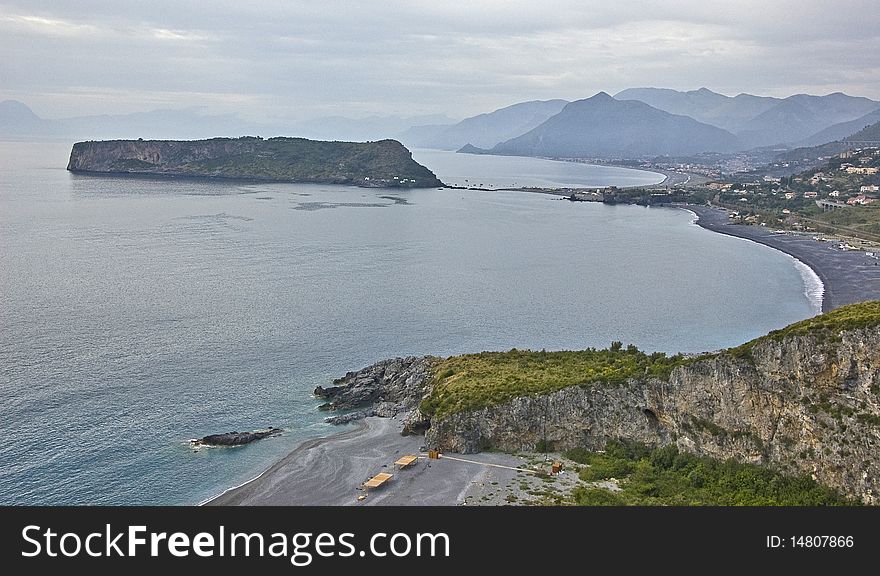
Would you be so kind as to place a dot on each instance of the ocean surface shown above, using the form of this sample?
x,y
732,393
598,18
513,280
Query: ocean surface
x,y
139,313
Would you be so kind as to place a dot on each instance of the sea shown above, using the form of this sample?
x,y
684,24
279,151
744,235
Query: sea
x,y
139,313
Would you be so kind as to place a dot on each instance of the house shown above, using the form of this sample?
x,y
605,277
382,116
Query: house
x,y
869,188
835,193
866,171
859,200
790,195
811,194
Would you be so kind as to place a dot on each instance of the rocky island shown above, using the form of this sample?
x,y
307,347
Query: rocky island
x,y
385,163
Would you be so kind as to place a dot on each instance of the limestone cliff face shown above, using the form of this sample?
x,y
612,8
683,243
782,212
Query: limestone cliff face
x,y
804,403
386,163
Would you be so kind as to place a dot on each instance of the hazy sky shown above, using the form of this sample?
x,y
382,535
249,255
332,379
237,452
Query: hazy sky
x,y
278,59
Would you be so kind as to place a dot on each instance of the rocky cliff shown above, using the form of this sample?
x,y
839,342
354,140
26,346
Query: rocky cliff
x,y
387,389
386,163
805,401
805,404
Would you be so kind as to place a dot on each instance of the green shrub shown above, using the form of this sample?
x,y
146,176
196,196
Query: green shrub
x,y
666,476
596,497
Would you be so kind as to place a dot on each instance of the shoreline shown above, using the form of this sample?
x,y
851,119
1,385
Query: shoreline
x,y
802,266
847,276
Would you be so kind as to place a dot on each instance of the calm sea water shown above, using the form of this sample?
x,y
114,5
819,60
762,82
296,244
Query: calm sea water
x,y
139,313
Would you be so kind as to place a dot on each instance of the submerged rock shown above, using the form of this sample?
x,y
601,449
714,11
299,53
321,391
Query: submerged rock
x,y
236,438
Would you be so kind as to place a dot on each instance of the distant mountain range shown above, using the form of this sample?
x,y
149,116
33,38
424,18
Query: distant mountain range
x,y
17,120
759,120
635,123
363,129
603,126
484,130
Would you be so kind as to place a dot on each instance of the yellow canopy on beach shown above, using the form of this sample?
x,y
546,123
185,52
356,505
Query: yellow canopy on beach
x,y
405,461
377,480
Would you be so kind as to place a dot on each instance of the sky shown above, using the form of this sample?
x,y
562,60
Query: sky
x,y
269,60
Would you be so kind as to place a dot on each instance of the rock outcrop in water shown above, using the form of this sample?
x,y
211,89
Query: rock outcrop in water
x,y
236,438
804,402
386,163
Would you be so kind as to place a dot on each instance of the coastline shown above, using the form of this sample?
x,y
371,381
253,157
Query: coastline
x,y
330,471
847,276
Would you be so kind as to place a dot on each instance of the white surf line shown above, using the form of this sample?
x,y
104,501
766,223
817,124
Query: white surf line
x,y
814,288
445,457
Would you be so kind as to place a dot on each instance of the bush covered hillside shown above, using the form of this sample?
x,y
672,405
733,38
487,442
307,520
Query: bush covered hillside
x,y
474,381
667,477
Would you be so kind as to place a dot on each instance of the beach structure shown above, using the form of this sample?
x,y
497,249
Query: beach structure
x,y
378,480
406,461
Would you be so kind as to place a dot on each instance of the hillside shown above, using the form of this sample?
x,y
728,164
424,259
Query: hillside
x,y
383,163
801,116
486,130
841,130
867,134
703,105
804,400
763,121
602,127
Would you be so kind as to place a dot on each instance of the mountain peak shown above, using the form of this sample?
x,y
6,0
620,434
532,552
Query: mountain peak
x,y
16,107
604,127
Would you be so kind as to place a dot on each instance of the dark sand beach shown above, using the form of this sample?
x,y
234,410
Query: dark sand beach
x,y
848,275
330,472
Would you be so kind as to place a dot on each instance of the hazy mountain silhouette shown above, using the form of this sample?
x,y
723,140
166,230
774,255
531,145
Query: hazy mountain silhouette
x,y
602,126
485,130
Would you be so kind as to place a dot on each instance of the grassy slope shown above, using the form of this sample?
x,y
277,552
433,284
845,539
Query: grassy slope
x,y
473,381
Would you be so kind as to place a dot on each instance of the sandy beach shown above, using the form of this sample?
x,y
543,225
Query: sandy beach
x,y
331,471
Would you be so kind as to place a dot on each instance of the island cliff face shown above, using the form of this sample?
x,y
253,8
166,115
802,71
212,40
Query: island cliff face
x,y
804,403
386,163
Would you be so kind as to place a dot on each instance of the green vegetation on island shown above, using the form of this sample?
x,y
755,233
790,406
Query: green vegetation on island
x,y
386,163
667,477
